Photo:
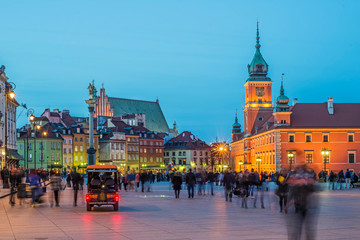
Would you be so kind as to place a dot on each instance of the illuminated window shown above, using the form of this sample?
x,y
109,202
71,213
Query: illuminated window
x,y
308,157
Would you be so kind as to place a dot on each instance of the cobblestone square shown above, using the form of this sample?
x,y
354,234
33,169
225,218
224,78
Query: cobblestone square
x,y
158,215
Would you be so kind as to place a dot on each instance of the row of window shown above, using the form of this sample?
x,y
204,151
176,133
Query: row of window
x,y
42,157
133,157
183,153
118,156
151,143
133,148
117,146
40,146
132,139
158,159
325,137
309,158
263,140
67,150
150,150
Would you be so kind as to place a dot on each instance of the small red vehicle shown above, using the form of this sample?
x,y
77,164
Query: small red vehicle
x,y
102,186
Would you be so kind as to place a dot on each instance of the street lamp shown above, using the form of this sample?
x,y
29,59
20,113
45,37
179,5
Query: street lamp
x,y
258,161
291,158
36,127
325,153
44,134
9,94
240,164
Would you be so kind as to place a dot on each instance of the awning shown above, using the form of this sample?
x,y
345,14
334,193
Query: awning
x,y
14,155
55,166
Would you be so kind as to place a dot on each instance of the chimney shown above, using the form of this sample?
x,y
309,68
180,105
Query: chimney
x,y
330,106
295,101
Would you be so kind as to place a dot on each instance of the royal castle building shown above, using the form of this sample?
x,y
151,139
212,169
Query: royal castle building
x,y
326,136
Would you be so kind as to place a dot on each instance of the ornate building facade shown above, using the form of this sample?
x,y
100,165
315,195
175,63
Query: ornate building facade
x,y
325,136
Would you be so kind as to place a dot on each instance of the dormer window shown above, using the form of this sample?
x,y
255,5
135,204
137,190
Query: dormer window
x,y
259,67
78,130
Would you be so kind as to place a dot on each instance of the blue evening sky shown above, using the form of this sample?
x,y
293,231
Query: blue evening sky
x,y
192,55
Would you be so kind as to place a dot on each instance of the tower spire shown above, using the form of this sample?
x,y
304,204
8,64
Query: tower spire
x,y
257,35
282,91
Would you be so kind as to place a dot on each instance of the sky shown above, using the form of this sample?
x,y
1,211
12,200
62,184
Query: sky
x,y
191,55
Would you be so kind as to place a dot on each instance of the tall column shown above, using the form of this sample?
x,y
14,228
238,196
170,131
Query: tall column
x,y
91,150
91,102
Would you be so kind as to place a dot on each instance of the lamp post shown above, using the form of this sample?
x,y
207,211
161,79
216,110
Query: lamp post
x,y
325,153
9,93
36,127
44,134
258,161
29,115
291,158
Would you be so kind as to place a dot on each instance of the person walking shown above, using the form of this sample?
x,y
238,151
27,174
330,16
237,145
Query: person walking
x,y
137,181
190,182
13,183
177,182
229,180
199,182
282,190
347,179
211,179
341,179
55,184
68,180
76,178
143,180
332,180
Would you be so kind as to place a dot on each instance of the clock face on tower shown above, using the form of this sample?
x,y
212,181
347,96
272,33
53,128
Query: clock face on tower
x,y
259,91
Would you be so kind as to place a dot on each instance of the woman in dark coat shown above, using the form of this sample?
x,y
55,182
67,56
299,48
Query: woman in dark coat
x,y
177,182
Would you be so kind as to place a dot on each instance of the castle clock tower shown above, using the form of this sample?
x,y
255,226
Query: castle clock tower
x,y
258,104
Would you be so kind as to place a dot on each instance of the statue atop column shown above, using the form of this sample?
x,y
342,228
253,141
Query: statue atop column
x,y
92,91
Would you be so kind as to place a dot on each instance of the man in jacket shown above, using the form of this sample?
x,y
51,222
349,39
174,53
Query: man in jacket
x,y
211,178
229,180
76,185
190,182
347,179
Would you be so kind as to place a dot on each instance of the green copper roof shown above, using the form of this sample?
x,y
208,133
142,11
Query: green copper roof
x,y
236,124
258,66
154,117
282,101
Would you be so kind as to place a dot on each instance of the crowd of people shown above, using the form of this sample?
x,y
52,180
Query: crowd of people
x,y
34,183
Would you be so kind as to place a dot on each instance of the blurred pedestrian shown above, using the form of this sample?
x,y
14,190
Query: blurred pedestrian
x,y
76,178
347,179
229,180
190,182
137,181
13,182
177,182
211,178
303,219
282,190
55,184
341,179
332,180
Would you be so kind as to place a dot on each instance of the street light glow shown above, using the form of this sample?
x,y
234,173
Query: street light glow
x,y
12,94
32,117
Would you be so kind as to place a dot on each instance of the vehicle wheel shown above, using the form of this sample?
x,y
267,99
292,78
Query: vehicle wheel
x,y
88,207
116,207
